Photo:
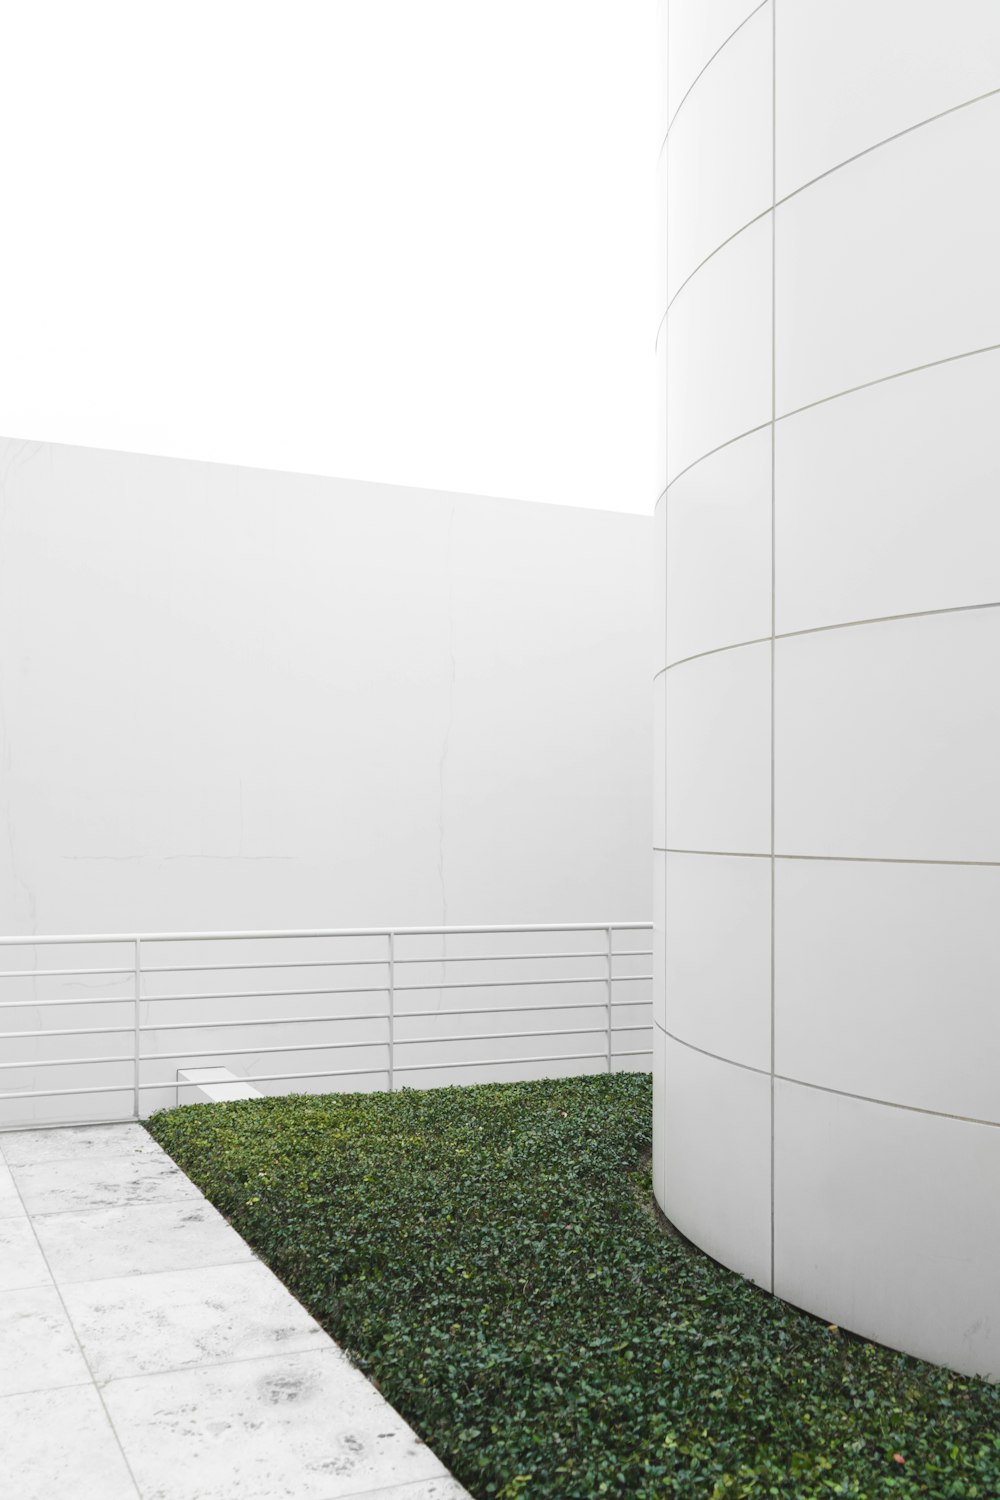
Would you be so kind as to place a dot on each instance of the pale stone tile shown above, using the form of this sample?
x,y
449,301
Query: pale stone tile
x,y
11,1206
130,1241
298,1427
424,1489
40,1349
24,1147
139,1325
220,1386
21,1261
51,1187
60,1444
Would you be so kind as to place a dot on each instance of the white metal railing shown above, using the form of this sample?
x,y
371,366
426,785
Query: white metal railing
x,y
415,1016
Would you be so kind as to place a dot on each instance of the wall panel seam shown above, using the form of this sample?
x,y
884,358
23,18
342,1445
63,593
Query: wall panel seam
x,y
931,364
887,140
720,246
790,635
861,859
715,1056
829,172
820,1088
866,385
704,69
912,1109
747,432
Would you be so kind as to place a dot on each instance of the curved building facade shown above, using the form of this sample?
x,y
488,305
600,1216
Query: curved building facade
x,y
827,861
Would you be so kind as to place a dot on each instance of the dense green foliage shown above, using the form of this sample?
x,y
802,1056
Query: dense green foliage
x,y
490,1257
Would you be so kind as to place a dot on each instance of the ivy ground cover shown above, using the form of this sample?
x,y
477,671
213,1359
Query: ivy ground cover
x,y
490,1257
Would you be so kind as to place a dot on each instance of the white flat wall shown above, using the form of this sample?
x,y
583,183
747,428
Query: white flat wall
x,y
233,698
827,823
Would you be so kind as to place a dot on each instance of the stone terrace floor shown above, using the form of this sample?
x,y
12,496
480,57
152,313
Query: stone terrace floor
x,y
147,1354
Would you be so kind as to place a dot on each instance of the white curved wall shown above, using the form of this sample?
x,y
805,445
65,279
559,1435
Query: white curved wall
x,y
827,865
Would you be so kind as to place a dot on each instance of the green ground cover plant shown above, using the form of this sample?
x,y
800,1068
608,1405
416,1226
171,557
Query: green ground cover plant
x,y
490,1257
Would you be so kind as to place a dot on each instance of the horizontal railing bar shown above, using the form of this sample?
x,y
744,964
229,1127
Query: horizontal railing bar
x,y
493,1061
407,1068
73,1000
150,1057
112,1088
401,989
48,973
319,1020
318,963
292,963
354,963
514,1010
324,1020
337,963
7,1036
501,958
273,1077
64,1124
369,989
484,958
66,1062
315,932
297,1048
333,932
494,984
268,1021
63,938
497,1036
642,1052
476,1010
103,1088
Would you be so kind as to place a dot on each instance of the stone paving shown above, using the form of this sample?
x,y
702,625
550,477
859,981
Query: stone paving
x,y
148,1355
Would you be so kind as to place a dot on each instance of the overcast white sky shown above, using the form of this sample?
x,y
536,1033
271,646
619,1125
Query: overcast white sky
x,y
399,240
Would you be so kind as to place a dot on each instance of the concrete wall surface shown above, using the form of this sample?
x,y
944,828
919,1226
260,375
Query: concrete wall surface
x,y
233,698
827,804
237,700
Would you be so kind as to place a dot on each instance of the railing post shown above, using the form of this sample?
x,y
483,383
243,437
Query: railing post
x,y
609,998
392,1009
136,1033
